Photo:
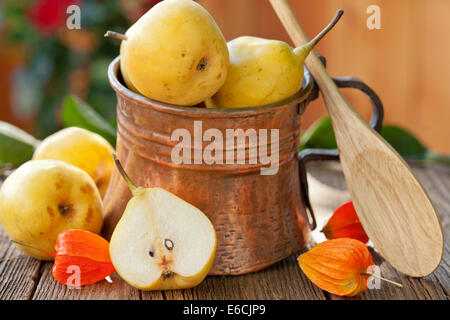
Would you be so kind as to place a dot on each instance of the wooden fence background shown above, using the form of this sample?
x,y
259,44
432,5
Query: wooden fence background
x,y
407,61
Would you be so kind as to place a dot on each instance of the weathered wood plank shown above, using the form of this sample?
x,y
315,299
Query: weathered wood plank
x,y
23,277
49,289
18,272
283,280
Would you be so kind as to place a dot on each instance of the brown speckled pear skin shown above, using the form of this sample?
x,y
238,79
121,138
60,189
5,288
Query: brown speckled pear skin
x,y
259,219
395,211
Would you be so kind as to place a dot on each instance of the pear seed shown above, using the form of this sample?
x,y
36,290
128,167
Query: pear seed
x,y
169,244
151,253
167,275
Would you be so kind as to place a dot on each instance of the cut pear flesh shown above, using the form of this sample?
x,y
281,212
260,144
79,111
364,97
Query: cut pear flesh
x,y
162,242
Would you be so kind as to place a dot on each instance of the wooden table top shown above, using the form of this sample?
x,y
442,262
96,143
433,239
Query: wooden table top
x,y
22,277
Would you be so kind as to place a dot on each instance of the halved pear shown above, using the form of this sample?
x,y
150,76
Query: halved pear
x,y
161,242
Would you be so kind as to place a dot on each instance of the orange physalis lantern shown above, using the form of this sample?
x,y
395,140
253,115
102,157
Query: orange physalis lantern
x,y
344,223
339,266
82,251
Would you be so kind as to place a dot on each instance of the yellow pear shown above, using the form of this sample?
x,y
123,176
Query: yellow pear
x,y
123,68
263,71
175,53
161,242
45,197
83,149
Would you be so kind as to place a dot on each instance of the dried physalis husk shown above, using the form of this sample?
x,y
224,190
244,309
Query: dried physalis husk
x,y
339,266
344,223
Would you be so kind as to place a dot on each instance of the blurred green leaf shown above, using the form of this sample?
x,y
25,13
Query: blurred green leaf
x,y
77,113
411,148
321,135
404,142
16,146
102,97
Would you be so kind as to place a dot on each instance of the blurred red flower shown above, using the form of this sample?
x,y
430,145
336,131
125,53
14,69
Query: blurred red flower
x,y
48,16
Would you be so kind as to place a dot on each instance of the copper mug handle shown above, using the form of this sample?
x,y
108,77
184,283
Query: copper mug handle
x,y
314,154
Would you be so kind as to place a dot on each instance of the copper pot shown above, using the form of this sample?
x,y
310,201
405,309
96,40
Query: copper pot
x,y
259,219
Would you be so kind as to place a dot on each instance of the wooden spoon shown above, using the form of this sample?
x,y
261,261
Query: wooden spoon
x,y
393,207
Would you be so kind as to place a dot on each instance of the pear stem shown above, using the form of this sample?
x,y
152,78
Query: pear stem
x,y
330,26
33,247
125,176
115,35
381,278
305,49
